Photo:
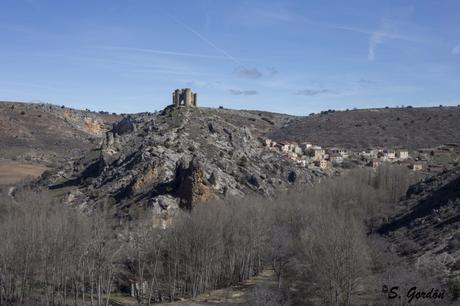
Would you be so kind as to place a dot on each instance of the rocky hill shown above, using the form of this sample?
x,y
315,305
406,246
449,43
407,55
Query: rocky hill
x,y
393,127
178,158
48,134
426,227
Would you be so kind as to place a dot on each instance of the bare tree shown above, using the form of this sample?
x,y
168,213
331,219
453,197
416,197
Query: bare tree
x,y
336,257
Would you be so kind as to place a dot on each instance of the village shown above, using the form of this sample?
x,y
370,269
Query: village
x,y
309,155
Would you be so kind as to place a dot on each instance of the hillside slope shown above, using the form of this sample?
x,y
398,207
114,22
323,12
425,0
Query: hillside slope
x,y
48,134
179,158
427,225
393,127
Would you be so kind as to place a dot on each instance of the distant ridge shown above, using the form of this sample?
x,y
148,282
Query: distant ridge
x,y
407,127
46,133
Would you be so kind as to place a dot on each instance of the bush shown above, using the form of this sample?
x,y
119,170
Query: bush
x,y
453,244
456,265
263,296
408,247
292,177
253,181
243,161
454,289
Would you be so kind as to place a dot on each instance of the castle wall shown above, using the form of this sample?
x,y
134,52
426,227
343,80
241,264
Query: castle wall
x,y
177,97
188,97
195,99
184,97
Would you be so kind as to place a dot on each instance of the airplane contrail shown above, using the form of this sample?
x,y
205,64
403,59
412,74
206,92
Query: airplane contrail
x,y
207,41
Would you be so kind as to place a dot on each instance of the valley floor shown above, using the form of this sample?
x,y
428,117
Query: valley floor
x,y
235,295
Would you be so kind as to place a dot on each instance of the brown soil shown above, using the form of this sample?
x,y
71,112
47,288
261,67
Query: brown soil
x,y
12,172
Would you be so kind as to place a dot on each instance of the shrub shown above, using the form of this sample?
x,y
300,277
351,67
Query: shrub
x,y
263,296
253,181
292,176
454,289
243,161
408,247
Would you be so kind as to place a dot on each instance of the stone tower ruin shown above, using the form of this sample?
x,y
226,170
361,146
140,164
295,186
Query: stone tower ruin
x,y
184,97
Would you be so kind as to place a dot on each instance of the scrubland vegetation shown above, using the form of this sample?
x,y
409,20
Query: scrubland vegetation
x,y
318,240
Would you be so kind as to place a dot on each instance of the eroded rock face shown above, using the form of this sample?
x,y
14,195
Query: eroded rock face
x,y
179,158
191,184
126,125
425,224
147,180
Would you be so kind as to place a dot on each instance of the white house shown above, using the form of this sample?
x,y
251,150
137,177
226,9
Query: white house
x,y
390,154
336,158
375,163
324,164
403,154
268,142
285,147
298,150
319,154
343,153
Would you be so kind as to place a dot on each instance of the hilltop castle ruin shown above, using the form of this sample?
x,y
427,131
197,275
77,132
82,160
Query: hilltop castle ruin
x,y
184,97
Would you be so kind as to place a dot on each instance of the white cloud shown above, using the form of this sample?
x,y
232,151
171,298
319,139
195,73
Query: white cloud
x,y
250,73
379,37
314,92
386,31
236,92
375,40
456,49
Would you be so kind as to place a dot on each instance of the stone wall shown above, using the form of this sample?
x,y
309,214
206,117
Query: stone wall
x,y
184,97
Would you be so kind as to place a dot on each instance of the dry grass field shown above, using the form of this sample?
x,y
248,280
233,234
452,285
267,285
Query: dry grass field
x,y
12,172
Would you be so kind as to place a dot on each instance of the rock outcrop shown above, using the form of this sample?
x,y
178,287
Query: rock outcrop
x,y
179,158
191,183
426,228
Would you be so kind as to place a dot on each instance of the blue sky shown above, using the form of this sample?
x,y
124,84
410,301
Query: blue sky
x,y
293,57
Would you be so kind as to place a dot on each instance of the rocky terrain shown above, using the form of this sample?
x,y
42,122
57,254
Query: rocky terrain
x,y
426,226
48,134
148,164
410,128
179,158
